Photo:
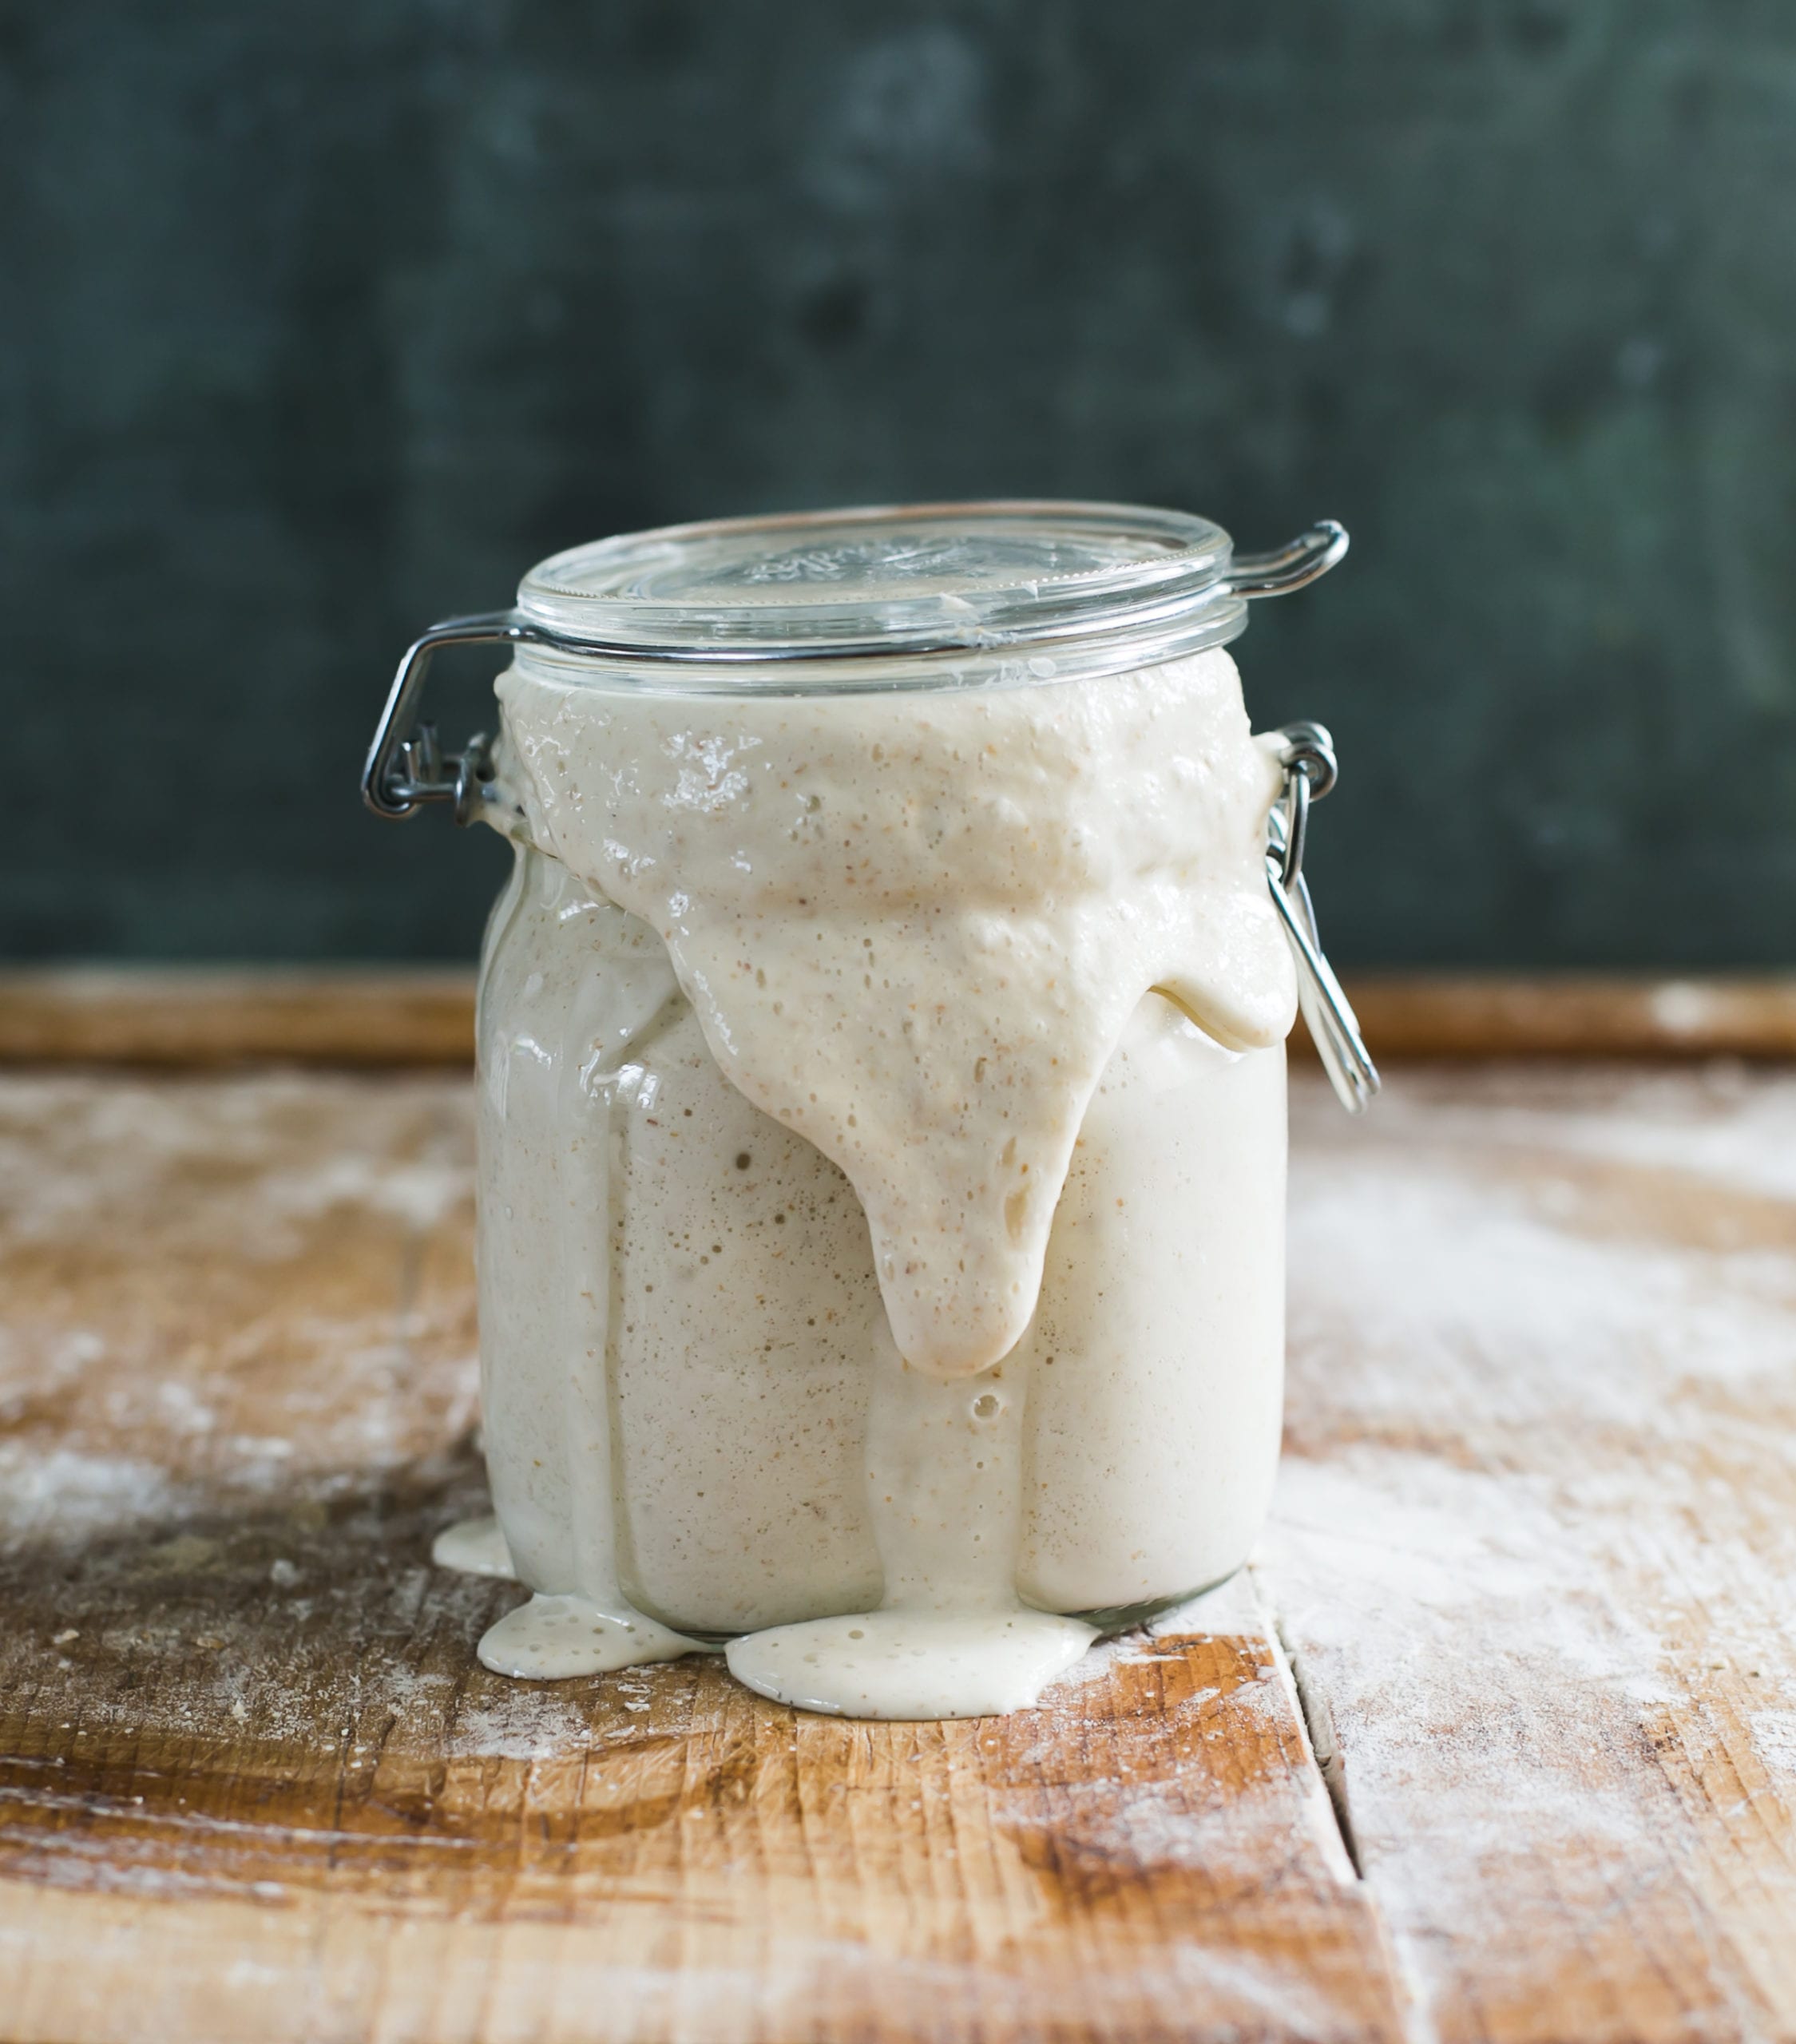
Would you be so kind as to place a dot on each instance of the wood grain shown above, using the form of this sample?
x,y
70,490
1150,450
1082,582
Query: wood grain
x,y
1530,1561
1535,1537
192,1018
255,1785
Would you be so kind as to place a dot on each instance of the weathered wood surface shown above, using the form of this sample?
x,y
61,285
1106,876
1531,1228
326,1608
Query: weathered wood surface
x,y
255,1785
1536,1538
1534,1554
184,1018
1583,1016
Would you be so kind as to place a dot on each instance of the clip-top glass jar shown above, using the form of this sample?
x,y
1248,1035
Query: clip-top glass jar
x,y
882,1076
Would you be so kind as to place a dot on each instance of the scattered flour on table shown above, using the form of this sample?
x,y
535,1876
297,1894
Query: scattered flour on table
x,y
1535,1495
57,1492
421,1193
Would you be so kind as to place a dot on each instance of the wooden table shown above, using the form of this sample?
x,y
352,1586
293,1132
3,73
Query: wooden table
x,y
1496,1739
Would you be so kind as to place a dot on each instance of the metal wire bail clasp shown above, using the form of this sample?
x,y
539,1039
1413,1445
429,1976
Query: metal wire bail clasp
x,y
1308,753
405,765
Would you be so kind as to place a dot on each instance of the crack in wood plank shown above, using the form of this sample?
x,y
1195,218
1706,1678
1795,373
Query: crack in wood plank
x,y
1325,1747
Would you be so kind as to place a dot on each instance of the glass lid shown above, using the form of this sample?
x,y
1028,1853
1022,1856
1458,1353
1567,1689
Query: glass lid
x,y
915,580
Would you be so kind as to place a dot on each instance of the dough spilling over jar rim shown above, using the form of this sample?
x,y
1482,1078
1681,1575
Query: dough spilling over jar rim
x,y
914,925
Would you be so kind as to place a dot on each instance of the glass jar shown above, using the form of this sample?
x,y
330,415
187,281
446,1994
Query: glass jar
x,y
882,1082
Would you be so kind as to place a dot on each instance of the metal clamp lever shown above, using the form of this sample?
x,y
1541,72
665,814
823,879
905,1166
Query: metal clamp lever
x,y
405,765
1308,753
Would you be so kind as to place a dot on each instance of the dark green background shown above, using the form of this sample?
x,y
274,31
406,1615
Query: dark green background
x,y
320,318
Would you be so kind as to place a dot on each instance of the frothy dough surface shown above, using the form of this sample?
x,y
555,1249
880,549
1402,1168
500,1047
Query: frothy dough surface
x,y
915,931
912,926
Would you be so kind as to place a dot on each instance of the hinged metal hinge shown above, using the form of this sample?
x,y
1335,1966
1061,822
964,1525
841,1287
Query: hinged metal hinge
x,y
406,766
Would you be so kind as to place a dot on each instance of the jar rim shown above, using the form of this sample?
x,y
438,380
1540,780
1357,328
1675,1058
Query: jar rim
x,y
1026,580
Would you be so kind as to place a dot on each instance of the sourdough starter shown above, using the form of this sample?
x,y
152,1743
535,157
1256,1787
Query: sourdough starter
x,y
882,1175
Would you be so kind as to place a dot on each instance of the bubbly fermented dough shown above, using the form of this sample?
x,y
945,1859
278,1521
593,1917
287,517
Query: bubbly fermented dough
x,y
883,1171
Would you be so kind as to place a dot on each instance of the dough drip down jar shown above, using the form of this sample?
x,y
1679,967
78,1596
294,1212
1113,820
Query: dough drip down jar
x,y
881,1063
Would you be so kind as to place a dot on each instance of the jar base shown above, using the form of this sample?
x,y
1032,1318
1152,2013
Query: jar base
x,y
552,1637
1106,1621
1125,1618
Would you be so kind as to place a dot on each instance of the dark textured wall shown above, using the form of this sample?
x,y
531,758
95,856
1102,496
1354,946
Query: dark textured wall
x,y
320,319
